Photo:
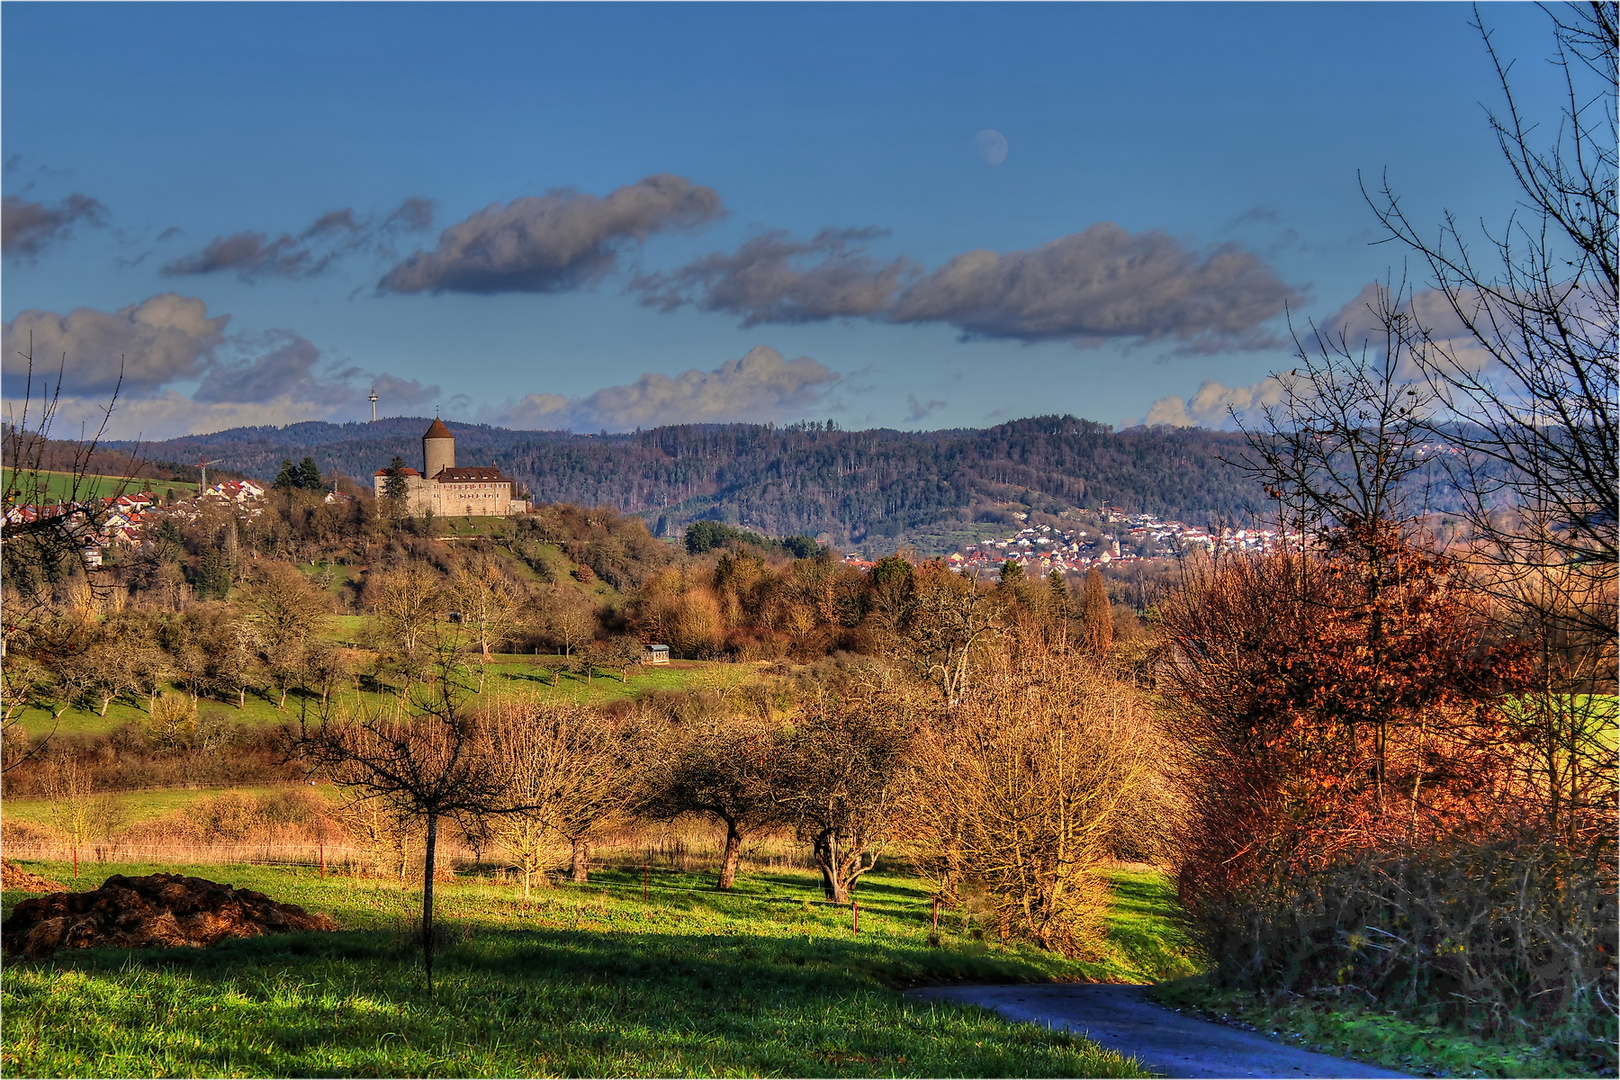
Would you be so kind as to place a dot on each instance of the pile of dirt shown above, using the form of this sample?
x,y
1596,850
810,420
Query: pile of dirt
x,y
159,910
13,876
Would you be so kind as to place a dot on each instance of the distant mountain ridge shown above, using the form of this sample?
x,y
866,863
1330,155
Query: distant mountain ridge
x,y
850,486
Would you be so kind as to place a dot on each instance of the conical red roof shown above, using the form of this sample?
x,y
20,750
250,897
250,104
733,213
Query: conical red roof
x,y
438,431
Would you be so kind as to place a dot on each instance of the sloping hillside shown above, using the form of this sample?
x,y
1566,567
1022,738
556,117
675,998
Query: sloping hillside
x,y
850,486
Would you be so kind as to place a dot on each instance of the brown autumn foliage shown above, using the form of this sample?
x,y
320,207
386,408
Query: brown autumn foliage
x,y
1367,815
1318,713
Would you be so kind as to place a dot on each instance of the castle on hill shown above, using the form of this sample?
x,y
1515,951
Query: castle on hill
x,y
446,489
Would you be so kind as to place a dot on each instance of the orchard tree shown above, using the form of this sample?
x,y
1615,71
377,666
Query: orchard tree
x,y
489,603
846,770
423,759
406,602
1027,787
725,767
287,613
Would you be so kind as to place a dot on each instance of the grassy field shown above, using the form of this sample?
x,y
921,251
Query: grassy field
x,y
583,981
507,673
60,485
143,805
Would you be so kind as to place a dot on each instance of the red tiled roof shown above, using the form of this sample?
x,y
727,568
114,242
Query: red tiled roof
x,y
437,430
407,471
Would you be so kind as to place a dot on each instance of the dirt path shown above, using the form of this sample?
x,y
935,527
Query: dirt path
x,y
1123,1018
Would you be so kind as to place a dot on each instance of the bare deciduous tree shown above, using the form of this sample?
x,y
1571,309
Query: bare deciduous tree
x,y
40,545
287,612
489,605
566,765
425,760
569,620
406,602
845,773
951,618
71,791
1524,367
725,767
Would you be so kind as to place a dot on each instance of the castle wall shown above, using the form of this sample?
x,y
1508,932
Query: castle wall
x,y
474,492
456,500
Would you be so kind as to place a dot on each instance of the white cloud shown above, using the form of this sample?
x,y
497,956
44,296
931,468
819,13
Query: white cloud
x,y
1360,328
1214,405
172,414
272,378
757,387
163,338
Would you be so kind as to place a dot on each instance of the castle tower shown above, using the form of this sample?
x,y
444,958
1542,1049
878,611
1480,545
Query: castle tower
x,y
438,449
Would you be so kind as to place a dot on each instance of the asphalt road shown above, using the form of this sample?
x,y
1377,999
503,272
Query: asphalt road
x,y
1123,1018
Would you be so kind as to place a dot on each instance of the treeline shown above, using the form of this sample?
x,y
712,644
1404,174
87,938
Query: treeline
x,y
808,479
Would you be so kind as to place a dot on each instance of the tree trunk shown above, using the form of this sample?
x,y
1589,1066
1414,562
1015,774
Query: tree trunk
x,y
733,855
427,897
826,852
581,865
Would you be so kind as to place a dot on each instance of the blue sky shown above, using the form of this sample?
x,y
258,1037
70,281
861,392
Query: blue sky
x,y
621,215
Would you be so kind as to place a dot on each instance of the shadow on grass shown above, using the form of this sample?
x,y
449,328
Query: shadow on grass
x,y
525,1001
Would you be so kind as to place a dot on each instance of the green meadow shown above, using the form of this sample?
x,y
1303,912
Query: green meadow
x,y
547,677
59,485
137,806
588,980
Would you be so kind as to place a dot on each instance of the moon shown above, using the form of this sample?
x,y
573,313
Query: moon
x,y
991,146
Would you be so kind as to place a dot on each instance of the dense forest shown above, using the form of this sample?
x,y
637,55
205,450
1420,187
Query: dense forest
x,y
812,479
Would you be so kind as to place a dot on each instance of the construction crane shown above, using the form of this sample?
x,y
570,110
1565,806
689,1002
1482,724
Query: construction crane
x,y
203,466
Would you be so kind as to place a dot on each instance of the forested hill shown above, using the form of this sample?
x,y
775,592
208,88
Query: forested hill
x,y
853,486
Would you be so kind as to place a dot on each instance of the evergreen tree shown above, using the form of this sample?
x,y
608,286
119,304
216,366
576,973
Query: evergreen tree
x,y
287,478
395,488
1061,604
309,475
214,575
